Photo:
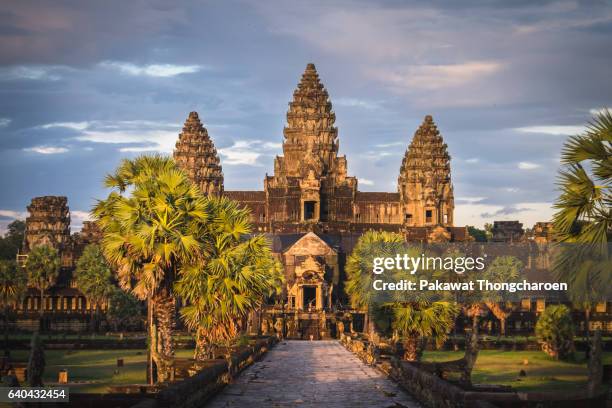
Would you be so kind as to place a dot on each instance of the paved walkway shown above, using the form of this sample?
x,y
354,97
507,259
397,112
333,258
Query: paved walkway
x,y
311,374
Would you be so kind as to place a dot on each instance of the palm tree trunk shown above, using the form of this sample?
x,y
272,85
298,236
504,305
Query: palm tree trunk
x,y
6,327
42,310
411,348
163,320
152,345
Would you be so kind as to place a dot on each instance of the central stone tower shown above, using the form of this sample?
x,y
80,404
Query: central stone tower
x,y
310,182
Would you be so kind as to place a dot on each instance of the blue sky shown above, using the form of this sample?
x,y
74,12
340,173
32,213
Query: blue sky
x,y
84,84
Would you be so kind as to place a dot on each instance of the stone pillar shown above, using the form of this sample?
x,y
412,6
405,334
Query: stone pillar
x,y
319,300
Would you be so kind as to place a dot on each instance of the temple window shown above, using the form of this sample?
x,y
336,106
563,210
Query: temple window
x,y
428,216
309,209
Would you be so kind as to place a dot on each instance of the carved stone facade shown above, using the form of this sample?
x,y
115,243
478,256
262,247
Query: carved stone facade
x,y
312,209
424,183
507,231
195,153
48,223
311,190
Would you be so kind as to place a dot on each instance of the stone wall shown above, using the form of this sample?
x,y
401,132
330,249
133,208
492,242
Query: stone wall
x,y
196,390
435,392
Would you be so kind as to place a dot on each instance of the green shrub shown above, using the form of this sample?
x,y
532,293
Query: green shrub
x,y
555,332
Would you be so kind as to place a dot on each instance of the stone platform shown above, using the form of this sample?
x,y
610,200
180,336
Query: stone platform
x,y
312,374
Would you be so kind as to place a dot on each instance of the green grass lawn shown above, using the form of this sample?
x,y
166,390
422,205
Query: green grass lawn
x,y
543,373
92,371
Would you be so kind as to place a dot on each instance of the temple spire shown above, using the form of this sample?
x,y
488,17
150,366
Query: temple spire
x,y
310,135
424,183
195,153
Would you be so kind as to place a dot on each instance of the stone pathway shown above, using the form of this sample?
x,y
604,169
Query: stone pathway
x,y
312,374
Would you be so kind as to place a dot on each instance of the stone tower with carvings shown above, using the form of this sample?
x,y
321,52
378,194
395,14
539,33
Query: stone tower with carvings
x,y
424,183
195,153
310,182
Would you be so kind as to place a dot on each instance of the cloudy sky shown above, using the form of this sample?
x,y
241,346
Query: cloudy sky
x,y
84,84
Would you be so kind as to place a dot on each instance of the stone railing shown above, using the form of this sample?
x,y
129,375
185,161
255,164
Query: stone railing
x,y
424,382
196,390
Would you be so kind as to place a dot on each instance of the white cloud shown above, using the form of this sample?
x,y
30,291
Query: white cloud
x,y
600,111
552,130
247,152
31,72
4,122
68,125
512,189
241,152
391,144
478,214
469,200
434,77
47,149
152,70
80,215
365,182
472,160
13,214
528,166
355,103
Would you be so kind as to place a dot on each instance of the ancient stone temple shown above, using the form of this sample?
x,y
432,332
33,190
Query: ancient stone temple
x,y
195,153
507,231
313,212
311,189
48,223
424,183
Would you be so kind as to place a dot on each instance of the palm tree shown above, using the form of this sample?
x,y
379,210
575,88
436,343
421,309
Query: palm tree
x,y
416,321
13,284
42,268
359,266
502,269
151,221
584,221
93,277
584,214
235,277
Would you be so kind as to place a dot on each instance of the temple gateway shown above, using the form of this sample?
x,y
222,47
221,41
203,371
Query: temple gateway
x,y
313,212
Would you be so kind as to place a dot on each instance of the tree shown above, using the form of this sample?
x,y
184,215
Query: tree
x,y
416,316
93,277
555,332
42,268
235,277
124,310
419,320
13,284
583,222
150,222
359,268
489,230
502,269
12,240
36,362
478,234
